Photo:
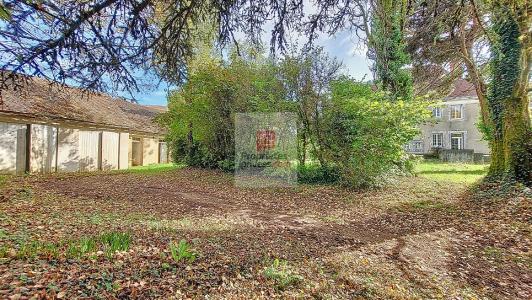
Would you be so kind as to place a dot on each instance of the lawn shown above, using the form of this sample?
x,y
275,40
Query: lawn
x,y
152,168
451,172
175,232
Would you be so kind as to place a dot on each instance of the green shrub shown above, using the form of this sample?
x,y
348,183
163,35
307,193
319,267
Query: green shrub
x,y
365,132
283,276
182,251
227,165
115,241
204,107
264,159
195,155
316,174
285,173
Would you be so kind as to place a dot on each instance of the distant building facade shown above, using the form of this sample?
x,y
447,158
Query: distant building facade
x,y
48,127
454,124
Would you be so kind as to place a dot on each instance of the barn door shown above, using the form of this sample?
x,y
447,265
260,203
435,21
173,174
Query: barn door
x,y
20,167
163,153
43,148
89,150
136,150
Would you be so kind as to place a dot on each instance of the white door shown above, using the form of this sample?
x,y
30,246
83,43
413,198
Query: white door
x,y
43,148
457,141
110,147
89,150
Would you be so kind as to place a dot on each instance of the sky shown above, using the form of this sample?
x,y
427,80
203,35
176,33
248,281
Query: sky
x,y
343,46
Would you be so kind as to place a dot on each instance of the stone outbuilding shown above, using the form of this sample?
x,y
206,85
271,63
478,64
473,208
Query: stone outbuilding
x,y
47,127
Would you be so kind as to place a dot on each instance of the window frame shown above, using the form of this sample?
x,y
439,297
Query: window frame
x,y
411,146
442,135
437,112
461,110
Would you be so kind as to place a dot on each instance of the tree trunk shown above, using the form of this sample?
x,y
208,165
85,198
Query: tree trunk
x,y
302,149
517,140
304,154
190,137
508,100
190,141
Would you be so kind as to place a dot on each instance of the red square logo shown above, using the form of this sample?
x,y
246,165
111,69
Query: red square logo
x,y
265,140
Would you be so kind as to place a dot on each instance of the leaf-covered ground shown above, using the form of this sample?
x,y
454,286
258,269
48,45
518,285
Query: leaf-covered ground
x,y
420,238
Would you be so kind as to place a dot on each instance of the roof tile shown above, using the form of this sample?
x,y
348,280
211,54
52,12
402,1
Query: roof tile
x,y
40,97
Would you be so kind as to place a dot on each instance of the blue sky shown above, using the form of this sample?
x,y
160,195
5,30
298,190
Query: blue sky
x,y
343,46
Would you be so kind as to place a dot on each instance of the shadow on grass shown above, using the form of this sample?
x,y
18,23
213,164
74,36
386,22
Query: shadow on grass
x,y
454,172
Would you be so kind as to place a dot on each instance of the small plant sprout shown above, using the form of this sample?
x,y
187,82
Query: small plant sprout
x,y
28,250
78,248
280,272
115,241
182,251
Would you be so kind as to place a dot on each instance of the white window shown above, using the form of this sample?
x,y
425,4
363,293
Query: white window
x,y
457,140
436,112
437,140
418,146
414,146
457,111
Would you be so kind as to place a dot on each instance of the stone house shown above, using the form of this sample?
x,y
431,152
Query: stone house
x,y
453,125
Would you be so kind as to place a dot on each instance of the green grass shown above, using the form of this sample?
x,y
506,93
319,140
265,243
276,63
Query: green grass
x,y
110,242
3,251
451,172
78,248
33,249
152,169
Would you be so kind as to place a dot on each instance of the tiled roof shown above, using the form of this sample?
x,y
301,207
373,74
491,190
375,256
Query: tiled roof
x,y
463,88
40,98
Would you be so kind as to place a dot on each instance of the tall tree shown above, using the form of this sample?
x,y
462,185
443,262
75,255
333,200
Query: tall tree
x,y
380,26
387,47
